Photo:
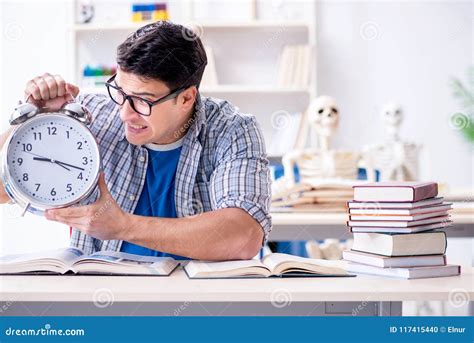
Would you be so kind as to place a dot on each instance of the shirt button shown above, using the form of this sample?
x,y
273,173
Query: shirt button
x,y
132,197
141,158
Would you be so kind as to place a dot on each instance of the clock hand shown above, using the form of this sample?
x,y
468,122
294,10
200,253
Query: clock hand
x,y
42,159
62,164
69,165
50,160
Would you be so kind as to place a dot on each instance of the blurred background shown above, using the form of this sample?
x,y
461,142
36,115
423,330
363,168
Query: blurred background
x,y
273,58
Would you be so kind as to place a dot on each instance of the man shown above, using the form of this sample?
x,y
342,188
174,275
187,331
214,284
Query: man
x,y
184,175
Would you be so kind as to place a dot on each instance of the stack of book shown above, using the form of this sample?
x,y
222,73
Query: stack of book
x,y
396,228
325,196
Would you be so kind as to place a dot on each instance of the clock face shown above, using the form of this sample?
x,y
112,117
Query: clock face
x,y
53,160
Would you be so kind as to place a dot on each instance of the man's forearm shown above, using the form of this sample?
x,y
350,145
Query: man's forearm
x,y
224,234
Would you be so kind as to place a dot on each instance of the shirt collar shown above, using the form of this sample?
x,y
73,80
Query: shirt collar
x,y
165,147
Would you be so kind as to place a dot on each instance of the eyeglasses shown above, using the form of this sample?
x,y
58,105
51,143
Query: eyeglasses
x,y
139,105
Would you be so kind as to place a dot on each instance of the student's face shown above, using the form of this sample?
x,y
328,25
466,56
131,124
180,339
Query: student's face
x,y
164,124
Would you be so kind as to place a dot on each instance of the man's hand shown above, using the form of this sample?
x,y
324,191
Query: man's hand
x,y
50,91
103,219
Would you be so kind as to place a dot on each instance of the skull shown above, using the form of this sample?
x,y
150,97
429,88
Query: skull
x,y
392,114
323,115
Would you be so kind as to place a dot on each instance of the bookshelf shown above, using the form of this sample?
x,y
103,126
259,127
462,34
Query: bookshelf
x,y
251,24
246,53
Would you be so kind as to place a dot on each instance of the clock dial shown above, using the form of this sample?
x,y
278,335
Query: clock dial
x,y
53,160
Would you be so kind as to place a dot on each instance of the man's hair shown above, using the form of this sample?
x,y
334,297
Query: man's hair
x,y
164,51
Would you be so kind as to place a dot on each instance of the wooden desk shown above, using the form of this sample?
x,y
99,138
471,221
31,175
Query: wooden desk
x,y
177,295
318,226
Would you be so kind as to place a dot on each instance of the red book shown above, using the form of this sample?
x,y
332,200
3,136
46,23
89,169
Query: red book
x,y
395,191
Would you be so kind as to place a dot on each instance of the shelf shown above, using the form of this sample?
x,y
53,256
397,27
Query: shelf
x,y
130,26
261,89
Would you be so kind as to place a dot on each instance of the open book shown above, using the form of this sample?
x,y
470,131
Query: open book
x,y
72,260
275,264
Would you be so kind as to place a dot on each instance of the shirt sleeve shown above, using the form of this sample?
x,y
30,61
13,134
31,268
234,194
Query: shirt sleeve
x,y
241,178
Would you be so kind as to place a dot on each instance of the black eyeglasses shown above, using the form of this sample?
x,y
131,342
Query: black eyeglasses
x,y
139,105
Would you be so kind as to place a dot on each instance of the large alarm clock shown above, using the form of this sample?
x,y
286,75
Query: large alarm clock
x,y
51,159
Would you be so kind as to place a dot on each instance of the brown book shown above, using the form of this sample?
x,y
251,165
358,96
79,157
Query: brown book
x,y
395,191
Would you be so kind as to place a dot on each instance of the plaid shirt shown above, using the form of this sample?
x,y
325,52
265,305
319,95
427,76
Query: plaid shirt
x,y
222,164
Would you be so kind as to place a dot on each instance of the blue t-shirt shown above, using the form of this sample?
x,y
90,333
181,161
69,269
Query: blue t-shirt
x,y
157,198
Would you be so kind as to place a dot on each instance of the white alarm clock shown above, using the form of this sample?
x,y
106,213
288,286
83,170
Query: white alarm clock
x,y
51,159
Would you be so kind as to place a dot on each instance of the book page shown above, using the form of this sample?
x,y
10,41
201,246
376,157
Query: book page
x,y
65,255
273,261
204,268
116,262
122,257
56,261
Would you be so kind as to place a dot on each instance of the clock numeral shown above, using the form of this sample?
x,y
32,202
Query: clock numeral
x,y
67,134
79,177
37,186
85,161
20,161
27,147
37,136
25,177
68,187
52,130
53,192
79,145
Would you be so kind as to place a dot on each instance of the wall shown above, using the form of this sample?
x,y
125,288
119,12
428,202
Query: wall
x,y
33,41
371,52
